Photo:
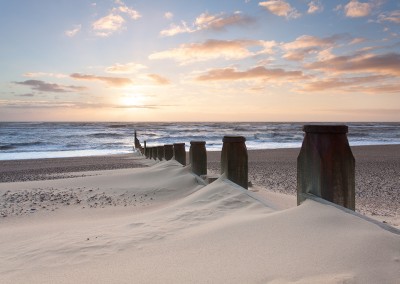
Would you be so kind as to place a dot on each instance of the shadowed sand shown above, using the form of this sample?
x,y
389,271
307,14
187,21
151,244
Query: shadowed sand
x,y
161,224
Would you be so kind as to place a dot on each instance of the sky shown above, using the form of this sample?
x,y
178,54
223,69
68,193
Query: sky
x,y
208,60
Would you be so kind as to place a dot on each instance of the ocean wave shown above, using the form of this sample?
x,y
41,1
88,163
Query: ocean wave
x,y
105,135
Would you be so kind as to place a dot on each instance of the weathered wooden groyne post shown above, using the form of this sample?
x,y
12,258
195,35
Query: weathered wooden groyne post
x,y
180,153
326,166
144,148
154,153
234,160
198,157
147,152
168,151
137,143
160,152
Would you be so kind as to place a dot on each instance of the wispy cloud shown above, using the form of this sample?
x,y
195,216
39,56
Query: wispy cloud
x,y
74,31
213,49
368,84
114,21
393,17
168,15
207,21
305,45
364,63
44,74
315,7
42,86
256,73
20,104
112,81
280,8
26,95
160,80
126,68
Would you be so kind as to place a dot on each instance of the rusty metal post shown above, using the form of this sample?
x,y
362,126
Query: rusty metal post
x,y
198,157
180,153
326,166
160,152
234,160
168,151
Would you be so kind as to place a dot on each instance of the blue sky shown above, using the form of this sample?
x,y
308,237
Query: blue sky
x,y
272,60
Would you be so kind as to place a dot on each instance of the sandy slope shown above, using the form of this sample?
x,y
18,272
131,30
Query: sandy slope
x,y
174,229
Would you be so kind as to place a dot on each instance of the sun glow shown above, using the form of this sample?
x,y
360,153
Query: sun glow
x,y
131,100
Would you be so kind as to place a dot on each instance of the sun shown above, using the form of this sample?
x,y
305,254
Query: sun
x,y
131,99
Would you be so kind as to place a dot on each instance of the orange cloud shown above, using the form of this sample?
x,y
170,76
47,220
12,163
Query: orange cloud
x,y
305,45
393,17
208,21
355,9
315,7
371,63
365,84
127,68
256,73
213,49
280,8
112,81
159,79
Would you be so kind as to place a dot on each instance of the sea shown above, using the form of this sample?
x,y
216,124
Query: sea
x,y
33,140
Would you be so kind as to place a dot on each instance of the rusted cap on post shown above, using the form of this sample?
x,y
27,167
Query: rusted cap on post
x,y
310,128
198,142
234,139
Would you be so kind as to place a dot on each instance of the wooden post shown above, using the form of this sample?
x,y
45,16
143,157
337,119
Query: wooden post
x,y
234,160
168,151
326,166
198,157
154,153
147,152
180,153
160,152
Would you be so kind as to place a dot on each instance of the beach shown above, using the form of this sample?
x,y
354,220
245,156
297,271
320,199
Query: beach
x,y
124,219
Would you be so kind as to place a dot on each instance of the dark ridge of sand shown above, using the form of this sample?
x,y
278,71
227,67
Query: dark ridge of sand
x,y
377,172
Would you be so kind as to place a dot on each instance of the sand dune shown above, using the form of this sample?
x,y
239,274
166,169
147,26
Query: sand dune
x,y
163,225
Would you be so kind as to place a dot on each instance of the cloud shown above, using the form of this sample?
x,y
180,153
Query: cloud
x,y
256,73
280,8
19,104
315,7
353,84
107,25
42,86
73,32
365,63
355,9
168,15
305,45
114,21
26,95
127,68
44,74
159,79
207,21
213,49
393,17
112,81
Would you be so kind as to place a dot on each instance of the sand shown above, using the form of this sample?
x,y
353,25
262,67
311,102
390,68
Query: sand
x,y
158,223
